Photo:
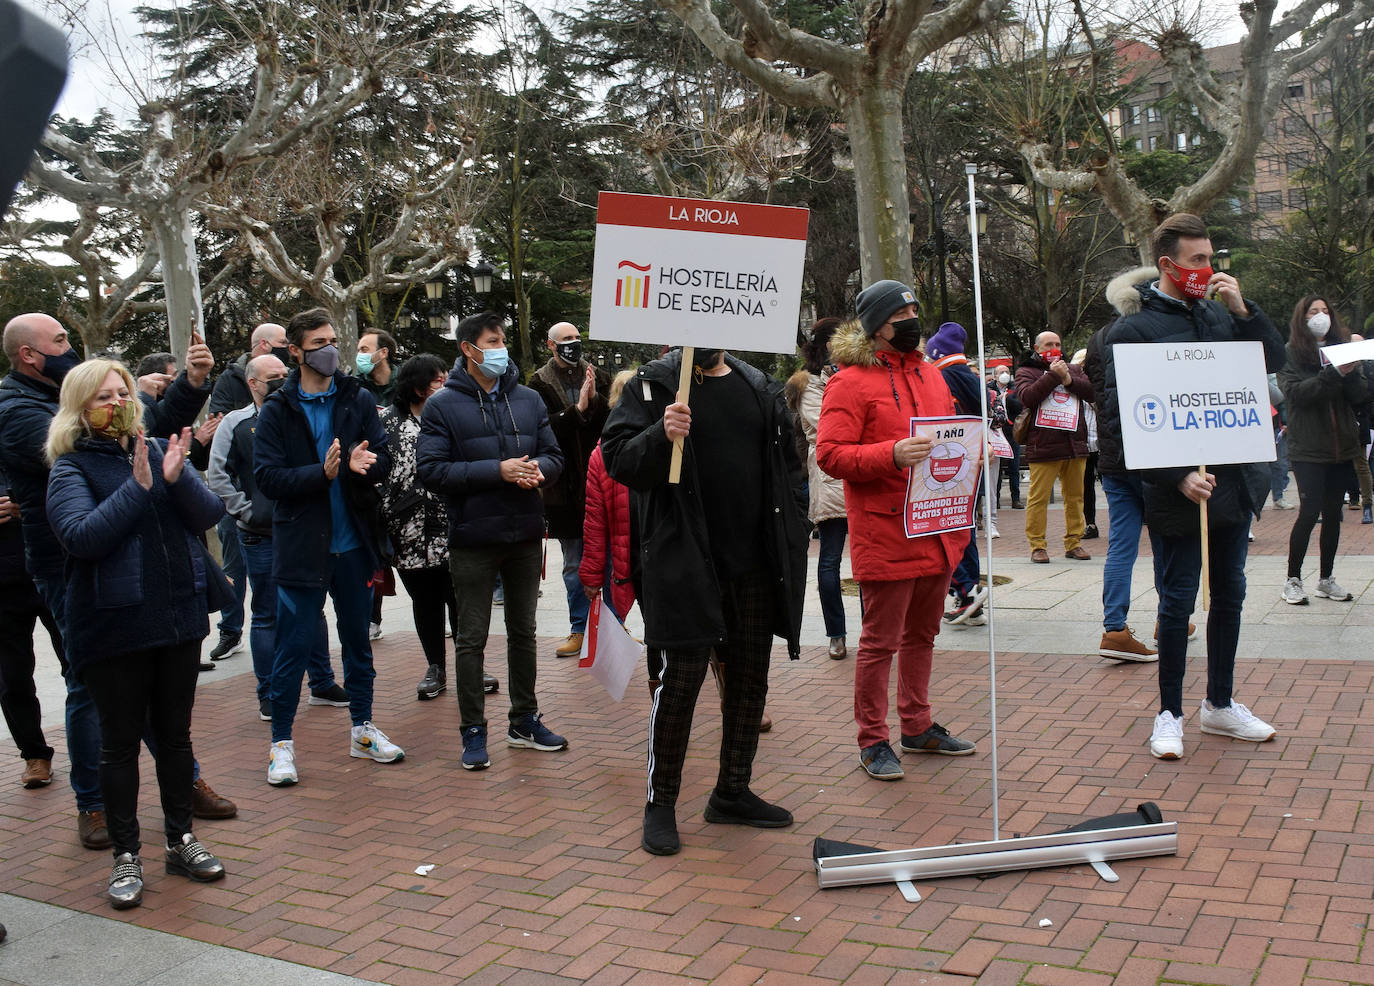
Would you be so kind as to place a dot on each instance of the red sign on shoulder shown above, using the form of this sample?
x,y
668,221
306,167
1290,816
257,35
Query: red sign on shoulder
x,y
701,215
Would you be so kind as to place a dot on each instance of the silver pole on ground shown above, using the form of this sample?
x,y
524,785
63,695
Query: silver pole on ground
x,y
988,493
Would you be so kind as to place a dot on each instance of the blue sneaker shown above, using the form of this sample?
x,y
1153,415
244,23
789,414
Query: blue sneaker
x,y
531,733
475,748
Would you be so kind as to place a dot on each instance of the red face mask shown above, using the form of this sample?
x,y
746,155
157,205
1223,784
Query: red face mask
x,y
1050,355
1193,282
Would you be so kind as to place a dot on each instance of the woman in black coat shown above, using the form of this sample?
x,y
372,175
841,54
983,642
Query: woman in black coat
x,y
129,514
1323,439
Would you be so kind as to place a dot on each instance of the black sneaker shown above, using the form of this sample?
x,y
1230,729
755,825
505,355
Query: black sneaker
x,y
746,809
229,645
265,709
937,739
1090,532
333,695
489,683
189,858
531,733
434,682
660,831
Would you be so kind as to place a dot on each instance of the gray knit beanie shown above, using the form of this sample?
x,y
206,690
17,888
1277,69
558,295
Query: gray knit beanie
x,y
879,300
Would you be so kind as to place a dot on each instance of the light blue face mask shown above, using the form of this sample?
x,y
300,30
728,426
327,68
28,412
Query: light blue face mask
x,y
363,361
494,363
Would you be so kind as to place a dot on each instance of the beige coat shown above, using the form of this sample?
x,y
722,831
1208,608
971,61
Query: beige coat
x,y
827,492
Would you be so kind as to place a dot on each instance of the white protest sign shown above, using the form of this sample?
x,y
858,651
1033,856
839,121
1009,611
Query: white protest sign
x,y
1193,403
697,272
1347,352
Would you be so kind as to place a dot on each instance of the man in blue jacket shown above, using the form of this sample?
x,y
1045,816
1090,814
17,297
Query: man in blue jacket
x,y
318,452
486,445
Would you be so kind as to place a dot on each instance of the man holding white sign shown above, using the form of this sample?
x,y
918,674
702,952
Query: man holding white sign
x,y
1176,310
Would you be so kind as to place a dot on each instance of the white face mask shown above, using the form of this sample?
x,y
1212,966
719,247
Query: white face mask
x,y
1319,324
1004,379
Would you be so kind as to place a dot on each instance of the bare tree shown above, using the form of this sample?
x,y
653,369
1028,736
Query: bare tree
x,y
1238,111
177,164
863,81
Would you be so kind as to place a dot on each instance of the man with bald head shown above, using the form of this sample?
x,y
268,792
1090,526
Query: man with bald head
x,y
232,393
1057,446
575,394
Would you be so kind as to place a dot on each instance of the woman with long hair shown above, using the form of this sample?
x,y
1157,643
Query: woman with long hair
x,y
417,520
826,493
130,514
1322,439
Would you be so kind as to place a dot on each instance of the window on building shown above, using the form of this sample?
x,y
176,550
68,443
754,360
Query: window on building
x,y
1296,160
1295,90
1297,198
1180,142
1135,113
1152,114
1154,142
1293,125
1268,201
1269,164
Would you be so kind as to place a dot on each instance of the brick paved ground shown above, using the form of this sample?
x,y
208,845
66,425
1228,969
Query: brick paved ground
x,y
539,877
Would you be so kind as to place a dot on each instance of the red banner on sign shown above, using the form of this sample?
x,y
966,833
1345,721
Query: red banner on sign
x,y
701,215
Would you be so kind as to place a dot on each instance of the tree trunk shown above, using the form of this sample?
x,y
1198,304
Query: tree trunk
x,y
873,116
176,244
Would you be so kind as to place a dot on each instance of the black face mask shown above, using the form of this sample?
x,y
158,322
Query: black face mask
x,y
569,352
274,385
707,358
906,335
282,353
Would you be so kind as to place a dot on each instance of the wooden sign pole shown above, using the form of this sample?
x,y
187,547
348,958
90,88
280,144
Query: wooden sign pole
x,y
1206,562
684,386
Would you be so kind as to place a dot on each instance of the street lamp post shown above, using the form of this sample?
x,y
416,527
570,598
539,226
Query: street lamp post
x,y
1221,260
440,308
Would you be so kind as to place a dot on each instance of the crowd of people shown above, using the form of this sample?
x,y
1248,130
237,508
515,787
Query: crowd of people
x,y
320,482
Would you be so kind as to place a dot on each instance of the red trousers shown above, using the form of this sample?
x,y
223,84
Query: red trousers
x,y
900,618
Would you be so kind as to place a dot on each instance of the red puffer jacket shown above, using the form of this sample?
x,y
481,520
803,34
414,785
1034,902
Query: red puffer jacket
x,y
607,521
868,407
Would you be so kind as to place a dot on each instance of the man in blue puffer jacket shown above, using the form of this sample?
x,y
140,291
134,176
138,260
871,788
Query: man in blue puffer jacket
x,y
318,452
486,445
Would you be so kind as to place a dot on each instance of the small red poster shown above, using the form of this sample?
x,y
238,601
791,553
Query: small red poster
x,y
942,488
1060,411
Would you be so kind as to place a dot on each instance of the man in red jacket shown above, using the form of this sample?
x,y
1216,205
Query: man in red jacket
x,y
864,438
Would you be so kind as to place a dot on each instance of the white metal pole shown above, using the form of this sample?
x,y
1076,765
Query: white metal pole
x,y
988,493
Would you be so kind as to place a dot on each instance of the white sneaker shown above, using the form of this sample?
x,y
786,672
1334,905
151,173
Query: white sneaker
x,y
993,533
371,743
1293,593
374,631
1331,589
281,763
1166,741
1236,721
1281,504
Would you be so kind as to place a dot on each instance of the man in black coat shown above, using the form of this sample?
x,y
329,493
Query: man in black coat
x,y
575,393
319,452
486,446
722,555
1177,308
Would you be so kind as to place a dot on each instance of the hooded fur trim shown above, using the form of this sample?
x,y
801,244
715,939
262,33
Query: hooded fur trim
x,y
850,346
1122,290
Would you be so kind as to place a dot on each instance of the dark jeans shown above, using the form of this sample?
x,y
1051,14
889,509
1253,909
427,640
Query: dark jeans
x,y
154,688
262,634
83,722
744,657
431,596
231,617
1011,470
969,570
475,570
833,534
1321,489
1180,573
349,581
20,608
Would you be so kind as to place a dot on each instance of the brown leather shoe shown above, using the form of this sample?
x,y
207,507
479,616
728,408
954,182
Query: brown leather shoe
x,y
205,803
1040,556
570,647
91,830
37,773
1078,554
